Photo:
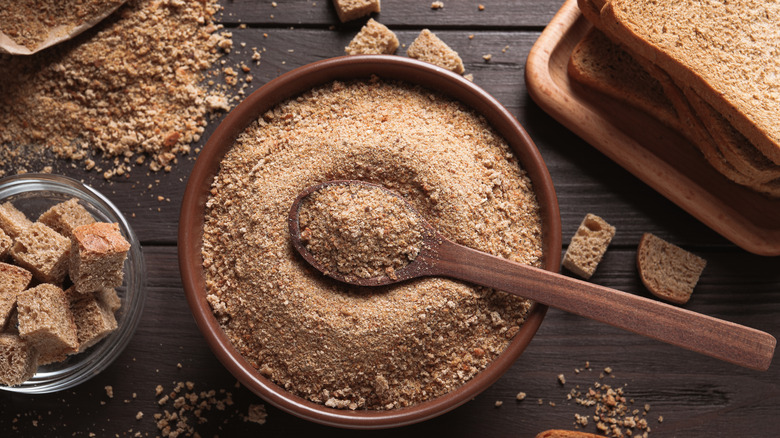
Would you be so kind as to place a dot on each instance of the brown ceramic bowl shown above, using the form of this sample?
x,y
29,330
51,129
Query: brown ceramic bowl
x,y
294,83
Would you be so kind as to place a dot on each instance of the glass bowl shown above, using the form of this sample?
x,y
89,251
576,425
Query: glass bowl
x,y
33,194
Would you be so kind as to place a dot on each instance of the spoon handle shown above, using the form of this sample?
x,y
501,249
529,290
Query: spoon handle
x,y
723,340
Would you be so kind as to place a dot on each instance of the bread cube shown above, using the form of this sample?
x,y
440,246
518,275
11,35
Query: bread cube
x,y
18,360
5,244
668,271
13,221
109,298
13,280
588,246
44,252
97,257
66,216
429,48
45,320
373,39
351,9
94,321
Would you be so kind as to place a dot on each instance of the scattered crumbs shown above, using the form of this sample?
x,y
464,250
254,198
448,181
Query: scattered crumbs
x,y
481,7
471,37
540,401
551,403
487,57
660,418
561,379
437,5
163,400
109,391
608,370
139,415
520,396
273,4
580,420
505,49
499,403
178,365
257,414
469,77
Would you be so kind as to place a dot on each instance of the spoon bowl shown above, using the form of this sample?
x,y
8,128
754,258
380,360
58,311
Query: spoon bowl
x,y
438,255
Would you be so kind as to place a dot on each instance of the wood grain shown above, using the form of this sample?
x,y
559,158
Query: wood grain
x,y
696,395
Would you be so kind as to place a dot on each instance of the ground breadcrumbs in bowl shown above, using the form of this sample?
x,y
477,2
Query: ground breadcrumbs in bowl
x,y
366,348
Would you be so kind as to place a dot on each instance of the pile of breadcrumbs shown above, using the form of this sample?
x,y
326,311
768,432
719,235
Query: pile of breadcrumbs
x,y
133,90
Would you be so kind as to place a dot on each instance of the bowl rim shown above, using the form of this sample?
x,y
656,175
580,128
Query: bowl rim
x,y
293,83
110,348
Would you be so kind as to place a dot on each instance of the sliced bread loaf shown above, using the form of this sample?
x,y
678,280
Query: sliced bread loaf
x,y
668,271
728,54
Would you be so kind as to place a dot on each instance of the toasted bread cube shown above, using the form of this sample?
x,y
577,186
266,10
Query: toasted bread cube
x,y
668,271
98,255
373,39
44,252
18,360
109,298
5,244
429,48
12,221
13,280
588,246
94,321
66,216
351,9
45,320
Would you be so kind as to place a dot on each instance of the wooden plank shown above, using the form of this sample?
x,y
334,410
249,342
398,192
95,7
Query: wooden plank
x,y
696,395
397,13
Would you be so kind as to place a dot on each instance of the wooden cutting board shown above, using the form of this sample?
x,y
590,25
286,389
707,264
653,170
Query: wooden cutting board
x,y
654,153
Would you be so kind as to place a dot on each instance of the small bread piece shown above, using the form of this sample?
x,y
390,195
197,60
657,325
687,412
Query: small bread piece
x,y
44,252
18,360
588,246
94,321
429,48
13,221
13,280
668,271
349,10
66,216
109,298
45,320
566,434
5,244
97,256
373,39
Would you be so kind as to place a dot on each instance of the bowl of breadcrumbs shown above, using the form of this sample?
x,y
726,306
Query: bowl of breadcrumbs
x,y
349,356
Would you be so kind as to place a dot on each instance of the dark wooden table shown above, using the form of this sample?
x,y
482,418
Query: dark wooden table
x,y
696,395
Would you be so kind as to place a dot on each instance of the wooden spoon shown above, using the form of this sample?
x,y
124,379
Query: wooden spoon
x,y
439,256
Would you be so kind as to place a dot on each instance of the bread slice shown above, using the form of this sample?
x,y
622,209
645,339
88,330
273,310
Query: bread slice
x,y
588,246
668,271
18,360
66,216
725,53
557,433
598,63
429,48
45,320
349,10
13,280
373,39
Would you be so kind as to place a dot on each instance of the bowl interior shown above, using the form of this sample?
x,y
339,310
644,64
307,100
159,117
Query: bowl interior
x,y
33,194
291,84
